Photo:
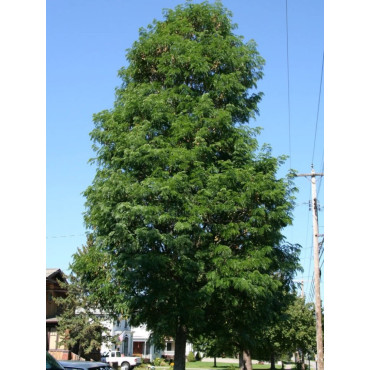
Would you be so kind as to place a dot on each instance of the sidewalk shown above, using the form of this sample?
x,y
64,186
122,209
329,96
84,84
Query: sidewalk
x,y
236,361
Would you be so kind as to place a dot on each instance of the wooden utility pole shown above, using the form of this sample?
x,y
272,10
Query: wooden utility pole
x,y
319,338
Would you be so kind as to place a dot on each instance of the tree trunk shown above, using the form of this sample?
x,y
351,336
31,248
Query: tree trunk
x,y
214,361
241,362
245,360
300,361
248,359
272,361
180,347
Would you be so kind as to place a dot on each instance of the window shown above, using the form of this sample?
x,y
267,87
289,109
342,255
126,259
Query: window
x,y
169,346
125,346
147,348
53,338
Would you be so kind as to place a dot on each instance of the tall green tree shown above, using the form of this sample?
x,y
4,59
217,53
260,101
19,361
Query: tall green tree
x,y
183,202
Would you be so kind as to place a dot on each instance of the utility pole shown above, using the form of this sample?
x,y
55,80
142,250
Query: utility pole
x,y
319,338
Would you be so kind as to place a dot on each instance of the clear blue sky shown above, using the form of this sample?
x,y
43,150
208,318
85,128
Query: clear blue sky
x,y
86,41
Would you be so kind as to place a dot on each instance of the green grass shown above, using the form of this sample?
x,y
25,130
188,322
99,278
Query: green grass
x,y
222,365
209,365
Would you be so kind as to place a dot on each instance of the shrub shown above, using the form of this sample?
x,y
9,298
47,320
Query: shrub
x,y
197,357
157,361
191,357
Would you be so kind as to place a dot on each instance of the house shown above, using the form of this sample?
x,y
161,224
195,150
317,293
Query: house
x,y
135,341
53,289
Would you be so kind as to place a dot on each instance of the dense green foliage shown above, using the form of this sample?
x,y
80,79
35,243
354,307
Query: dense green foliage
x,y
212,346
185,206
102,287
293,330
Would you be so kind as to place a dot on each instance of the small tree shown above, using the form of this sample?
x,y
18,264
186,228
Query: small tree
x,y
212,346
81,329
191,357
299,331
82,322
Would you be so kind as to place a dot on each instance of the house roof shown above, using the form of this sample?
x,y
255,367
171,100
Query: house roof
x,y
52,272
53,275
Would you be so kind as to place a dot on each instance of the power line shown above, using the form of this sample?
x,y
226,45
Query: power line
x,y
287,58
64,236
318,108
321,179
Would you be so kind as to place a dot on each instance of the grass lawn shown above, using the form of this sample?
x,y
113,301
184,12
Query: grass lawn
x,y
209,365
222,366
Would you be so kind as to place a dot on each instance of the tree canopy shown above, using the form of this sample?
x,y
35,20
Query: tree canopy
x,y
184,203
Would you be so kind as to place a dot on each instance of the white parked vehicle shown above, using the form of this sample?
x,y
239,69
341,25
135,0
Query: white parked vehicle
x,y
125,362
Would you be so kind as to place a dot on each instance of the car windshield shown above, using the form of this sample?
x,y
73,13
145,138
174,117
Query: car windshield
x,y
73,367
52,363
82,368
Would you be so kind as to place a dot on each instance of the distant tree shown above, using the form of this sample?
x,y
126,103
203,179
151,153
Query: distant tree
x,y
299,331
212,346
184,203
82,322
292,331
82,330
